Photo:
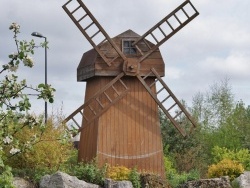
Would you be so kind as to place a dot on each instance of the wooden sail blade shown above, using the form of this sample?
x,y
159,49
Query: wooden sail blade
x,y
91,29
167,27
174,108
95,107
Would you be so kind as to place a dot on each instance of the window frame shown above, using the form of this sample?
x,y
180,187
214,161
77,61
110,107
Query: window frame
x,y
130,47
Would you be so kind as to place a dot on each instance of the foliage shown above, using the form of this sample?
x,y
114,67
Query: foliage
x,y
15,104
6,177
32,175
134,177
87,171
242,155
221,121
35,174
237,127
169,166
226,167
92,173
51,147
153,180
14,93
175,178
176,146
118,173
215,106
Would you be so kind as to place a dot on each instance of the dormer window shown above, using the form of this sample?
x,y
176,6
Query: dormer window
x,y
128,49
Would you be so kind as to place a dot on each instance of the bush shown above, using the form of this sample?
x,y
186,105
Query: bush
x,y
176,179
50,148
89,172
118,173
134,177
242,155
169,166
6,177
153,180
226,167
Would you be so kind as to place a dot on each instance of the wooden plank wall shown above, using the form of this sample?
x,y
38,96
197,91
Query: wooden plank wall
x,y
128,133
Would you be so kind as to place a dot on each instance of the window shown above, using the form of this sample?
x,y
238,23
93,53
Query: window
x,y
128,48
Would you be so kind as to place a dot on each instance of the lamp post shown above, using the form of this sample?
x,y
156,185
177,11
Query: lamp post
x,y
36,34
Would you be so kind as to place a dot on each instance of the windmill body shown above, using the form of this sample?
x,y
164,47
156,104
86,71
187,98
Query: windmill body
x,y
128,133
119,121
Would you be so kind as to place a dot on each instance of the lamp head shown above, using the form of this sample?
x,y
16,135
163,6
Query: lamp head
x,y
36,34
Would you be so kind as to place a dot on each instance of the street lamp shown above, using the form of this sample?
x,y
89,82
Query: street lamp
x,y
36,34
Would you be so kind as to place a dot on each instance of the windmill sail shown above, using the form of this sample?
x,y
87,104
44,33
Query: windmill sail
x,y
175,109
167,27
99,103
91,29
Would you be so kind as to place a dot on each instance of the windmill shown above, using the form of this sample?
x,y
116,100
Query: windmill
x,y
119,121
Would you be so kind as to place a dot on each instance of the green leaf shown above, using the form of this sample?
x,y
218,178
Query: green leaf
x,y
21,55
41,85
51,100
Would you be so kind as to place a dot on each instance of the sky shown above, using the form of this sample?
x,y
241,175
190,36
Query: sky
x,y
213,47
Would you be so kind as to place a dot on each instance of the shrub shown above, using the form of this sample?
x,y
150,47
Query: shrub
x,y
118,173
226,167
176,179
134,177
89,172
92,173
169,166
242,155
50,148
153,180
6,177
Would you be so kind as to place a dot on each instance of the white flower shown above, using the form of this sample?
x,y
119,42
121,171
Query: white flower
x,y
15,27
14,151
13,68
28,61
10,77
7,140
14,55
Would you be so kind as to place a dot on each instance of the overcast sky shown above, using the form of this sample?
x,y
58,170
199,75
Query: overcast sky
x,y
214,46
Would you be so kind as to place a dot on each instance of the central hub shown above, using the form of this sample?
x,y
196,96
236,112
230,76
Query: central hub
x,y
132,67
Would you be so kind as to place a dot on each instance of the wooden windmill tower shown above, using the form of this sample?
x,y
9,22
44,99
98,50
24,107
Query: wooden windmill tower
x,y
119,119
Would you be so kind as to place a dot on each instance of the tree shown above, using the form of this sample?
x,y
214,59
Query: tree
x,y
215,106
236,130
14,100
212,110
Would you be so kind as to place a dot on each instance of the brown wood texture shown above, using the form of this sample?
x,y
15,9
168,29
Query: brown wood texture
x,y
92,64
128,133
